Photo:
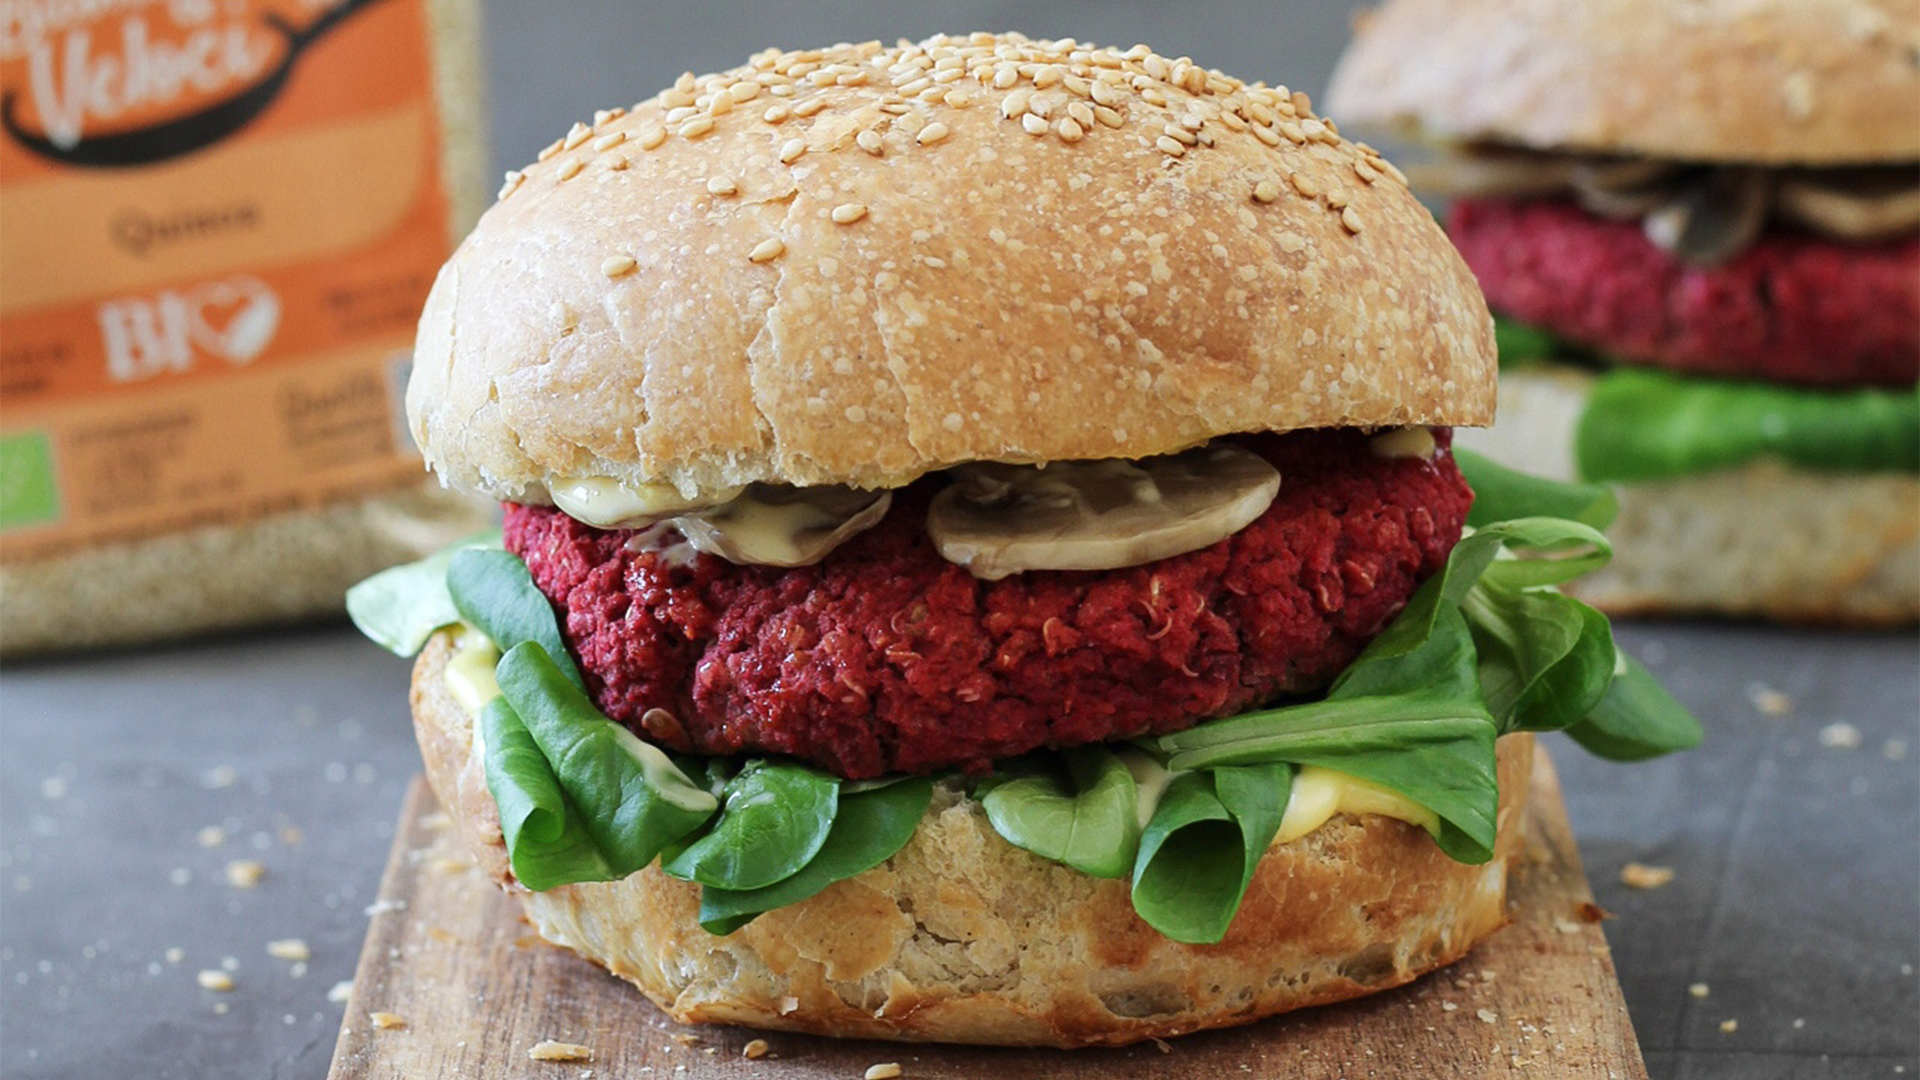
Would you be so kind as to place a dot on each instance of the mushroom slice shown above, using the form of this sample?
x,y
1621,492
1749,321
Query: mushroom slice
x,y
1852,211
609,504
1625,189
1483,172
773,525
1714,219
998,519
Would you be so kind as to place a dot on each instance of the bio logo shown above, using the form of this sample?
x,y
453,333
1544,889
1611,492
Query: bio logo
x,y
234,319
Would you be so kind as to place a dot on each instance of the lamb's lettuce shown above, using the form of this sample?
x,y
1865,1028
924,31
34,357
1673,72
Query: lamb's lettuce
x,y
1078,806
400,607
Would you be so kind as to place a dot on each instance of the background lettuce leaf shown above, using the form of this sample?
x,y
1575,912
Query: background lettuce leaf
x,y
400,607
1502,494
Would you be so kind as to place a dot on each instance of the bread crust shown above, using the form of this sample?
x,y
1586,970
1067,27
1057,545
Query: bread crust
x,y
1762,541
1004,295
961,937
1770,82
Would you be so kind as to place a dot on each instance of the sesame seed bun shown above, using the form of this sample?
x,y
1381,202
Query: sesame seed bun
x,y
961,937
850,266
1848,553
1772,82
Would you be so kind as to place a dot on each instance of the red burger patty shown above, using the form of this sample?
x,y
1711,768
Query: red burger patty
x,y
1794,308
885,657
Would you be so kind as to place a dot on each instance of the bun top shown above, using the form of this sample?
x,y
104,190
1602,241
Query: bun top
x,y
1771,82
859,264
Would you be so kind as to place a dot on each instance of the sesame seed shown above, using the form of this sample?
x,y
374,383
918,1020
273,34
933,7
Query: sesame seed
x,y
809,107
777,113
1034,125
1303,184
721,185
1041,106
1005,76
1050,75
791,150
1350,219
1365,171
1109,117
681,114
1266,191
1180,134
548,150
576,135
1293,132
610,140
511,183
743,92
959,98
1266,135
870,141
571,169
848,213
696,127
931,134
1105,94
1153,97
1337,199
652,137
933,94
601,116
1170,145
1081,113
767,250
1069,131
1015,104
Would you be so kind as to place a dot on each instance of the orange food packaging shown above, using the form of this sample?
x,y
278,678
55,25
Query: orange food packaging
x,y
218,221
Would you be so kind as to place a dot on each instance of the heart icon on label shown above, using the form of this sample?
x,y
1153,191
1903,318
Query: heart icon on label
x,y
235,318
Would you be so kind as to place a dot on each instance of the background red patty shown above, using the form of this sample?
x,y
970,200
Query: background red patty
x,y
1795,308
886,657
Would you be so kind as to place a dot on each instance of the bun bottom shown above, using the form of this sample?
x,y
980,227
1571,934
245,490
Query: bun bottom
x,y
1762,541
961,937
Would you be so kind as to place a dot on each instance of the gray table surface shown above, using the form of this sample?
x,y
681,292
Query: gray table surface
x,y
1795,845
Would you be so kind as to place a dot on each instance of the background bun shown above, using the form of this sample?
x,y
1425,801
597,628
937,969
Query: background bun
x,y
961,937
860,264
1772,82
1847,552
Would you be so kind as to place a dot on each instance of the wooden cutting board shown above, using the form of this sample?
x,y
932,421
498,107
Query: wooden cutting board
x,y
473,989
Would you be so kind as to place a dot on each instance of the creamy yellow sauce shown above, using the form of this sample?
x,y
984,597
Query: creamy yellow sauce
x,y
607,504
1320,793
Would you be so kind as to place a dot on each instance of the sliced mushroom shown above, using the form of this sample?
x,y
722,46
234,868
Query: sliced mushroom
x,y
1626,189
609,504
998,520
1714,219
771,525
1486,172
1852,211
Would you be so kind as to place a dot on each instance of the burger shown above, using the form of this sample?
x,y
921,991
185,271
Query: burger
x,y
1700,225
983,559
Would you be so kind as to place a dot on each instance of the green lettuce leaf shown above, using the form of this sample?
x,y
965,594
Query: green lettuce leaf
x,y
869,827
1637,719
1079,807
774,818
1501,494
1643,424
632,800
547,841
1199,850
494,591
399,608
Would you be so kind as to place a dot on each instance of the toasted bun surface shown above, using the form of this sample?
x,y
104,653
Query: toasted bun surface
x,y
961,937
1078,253
1845,548
1775,82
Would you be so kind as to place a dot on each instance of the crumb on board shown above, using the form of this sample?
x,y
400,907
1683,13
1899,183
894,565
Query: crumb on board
x,y
551,1050
211,836
1699,990
1164,1046
885,1070
1728,1027
176,954
755,1049
245,873
289,949
1840,735
387,1021
1641,876
215,980
1487,1016
1767,700
340,991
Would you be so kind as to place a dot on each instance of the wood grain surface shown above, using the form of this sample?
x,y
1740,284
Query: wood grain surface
x,y
453,983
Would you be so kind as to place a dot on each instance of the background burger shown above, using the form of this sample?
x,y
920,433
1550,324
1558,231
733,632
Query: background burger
x,y
983,559
1704,222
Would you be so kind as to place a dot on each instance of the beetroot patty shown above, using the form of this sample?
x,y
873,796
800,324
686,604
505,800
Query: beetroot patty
x,y
886,657
1794,308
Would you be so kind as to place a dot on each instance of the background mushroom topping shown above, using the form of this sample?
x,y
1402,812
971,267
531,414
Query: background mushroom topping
x,y
774,525
1701,214
999,519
